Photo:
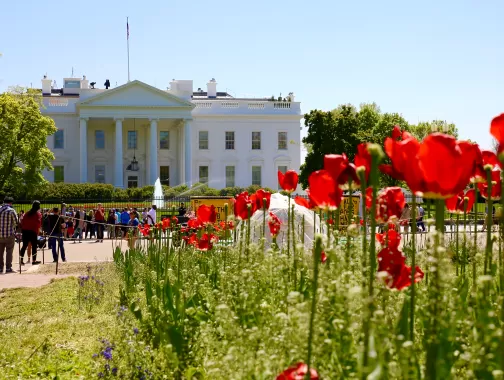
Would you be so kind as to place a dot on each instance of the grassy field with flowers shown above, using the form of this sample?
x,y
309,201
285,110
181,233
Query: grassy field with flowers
x,y
350,305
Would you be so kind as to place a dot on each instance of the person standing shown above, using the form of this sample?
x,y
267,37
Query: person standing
x,y
30,228
56,223
79,225
100,221
133,230
151,216
8,225
111,221
420,221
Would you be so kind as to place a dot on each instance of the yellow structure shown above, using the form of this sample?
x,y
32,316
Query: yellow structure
x,y
218,202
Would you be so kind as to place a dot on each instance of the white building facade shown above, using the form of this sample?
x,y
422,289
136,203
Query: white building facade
x,y
133,134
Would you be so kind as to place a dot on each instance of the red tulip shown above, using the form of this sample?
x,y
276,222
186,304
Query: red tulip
x,y
205,243
392,261
447,165
396,132
298,372
288,181
274,224
404,167
497,130
403,279
259,196
456,203
323,257
391,239
194,223
207,214
302,202
340,168
241,203
487,158
496,186
324,191
363,159
390,203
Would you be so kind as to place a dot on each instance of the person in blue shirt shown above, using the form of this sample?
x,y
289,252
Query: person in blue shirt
x,y
132,229
124,220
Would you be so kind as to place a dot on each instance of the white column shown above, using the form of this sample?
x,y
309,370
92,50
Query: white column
x,y
153,151
83,150
187,151
118,162
181,155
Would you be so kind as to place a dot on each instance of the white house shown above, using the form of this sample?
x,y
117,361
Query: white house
x,y
132,134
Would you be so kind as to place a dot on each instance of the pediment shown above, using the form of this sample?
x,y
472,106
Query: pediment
x,y
136,94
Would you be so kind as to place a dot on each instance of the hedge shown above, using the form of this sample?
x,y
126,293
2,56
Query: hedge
x,y
98,191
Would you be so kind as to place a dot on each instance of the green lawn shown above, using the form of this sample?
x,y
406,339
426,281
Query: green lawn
x,y
44,333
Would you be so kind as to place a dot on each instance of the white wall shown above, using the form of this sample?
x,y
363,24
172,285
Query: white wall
x,y
243,157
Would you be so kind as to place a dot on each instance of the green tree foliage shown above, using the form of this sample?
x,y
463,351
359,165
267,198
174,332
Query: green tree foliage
x,y
24,130
342,129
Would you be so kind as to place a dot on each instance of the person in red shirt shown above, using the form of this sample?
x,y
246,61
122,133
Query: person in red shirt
x,y
100,220
30,227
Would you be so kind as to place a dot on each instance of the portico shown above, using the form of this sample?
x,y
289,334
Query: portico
x,y
135,121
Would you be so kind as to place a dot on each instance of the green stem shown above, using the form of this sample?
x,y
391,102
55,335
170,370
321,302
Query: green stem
x,y
247,248
294,257
303,231
288,227
413,265
349,222
488,248
316,259
464,249
362,178
372,261
457,245
475,248
264,225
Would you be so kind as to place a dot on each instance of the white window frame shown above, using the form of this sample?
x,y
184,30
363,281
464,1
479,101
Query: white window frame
x,y
286,140
104,173
63,139
226,176
54,172
226,140
252,140
159,137
200,140
127,140
208,173
169,174
96,139
252,174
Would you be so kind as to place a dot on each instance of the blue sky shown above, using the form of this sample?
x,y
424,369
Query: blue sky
x,y
426,60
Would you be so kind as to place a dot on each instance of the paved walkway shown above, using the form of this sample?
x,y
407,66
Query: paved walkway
x,y
87,251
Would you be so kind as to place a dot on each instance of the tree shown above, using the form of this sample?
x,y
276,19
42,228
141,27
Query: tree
x,y
425,128
328,132
24,130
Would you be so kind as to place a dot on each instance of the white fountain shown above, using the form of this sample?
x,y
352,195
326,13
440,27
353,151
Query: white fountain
x,y
158,195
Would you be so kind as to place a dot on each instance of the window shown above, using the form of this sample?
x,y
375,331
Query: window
x,y
256,175
99,174
132,139
282,169
59,139
203,174
72,84
256,140
282,140
203,140
230,139
99,140
132,181
164,175
230,176
59,174
164,140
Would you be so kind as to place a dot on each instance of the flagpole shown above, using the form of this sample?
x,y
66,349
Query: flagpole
x,y
127,38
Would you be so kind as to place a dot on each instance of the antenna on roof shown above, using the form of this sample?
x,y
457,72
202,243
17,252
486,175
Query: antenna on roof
x,y
72,71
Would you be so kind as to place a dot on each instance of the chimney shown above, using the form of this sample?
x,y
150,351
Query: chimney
x,y
212,88
84,83
173,87
46,85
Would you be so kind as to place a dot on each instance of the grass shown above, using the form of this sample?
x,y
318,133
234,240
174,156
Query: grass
x,y
44,333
